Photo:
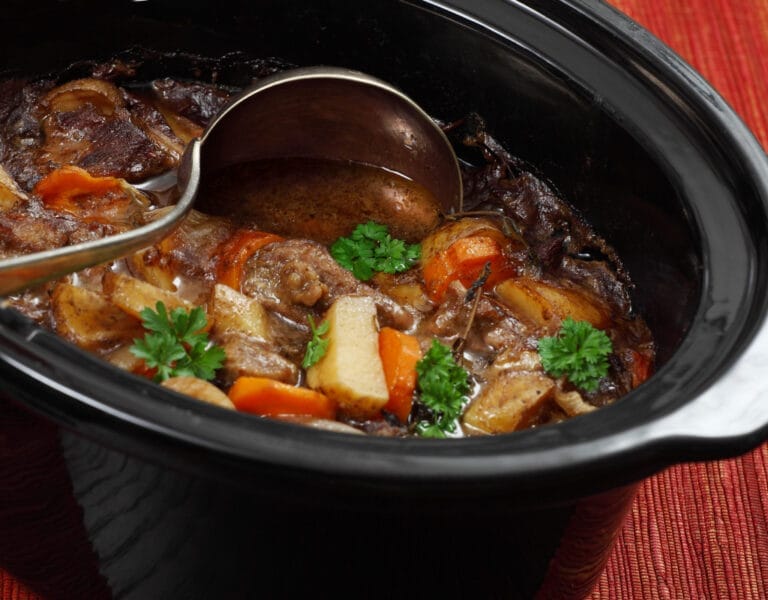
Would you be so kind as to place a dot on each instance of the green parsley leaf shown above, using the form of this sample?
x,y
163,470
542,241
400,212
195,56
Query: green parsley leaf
x,y
175,345
317,345
443,388
578,351
371,249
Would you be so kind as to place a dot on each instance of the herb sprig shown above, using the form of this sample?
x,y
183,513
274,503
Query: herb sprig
x,y
578,351
443,387
175,344
371,249
317,346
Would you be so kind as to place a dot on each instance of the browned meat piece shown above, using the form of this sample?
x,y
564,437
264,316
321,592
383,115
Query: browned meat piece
x,y
185,257
295,276
29,228
20,133
195,101
155,125
87,123
247,356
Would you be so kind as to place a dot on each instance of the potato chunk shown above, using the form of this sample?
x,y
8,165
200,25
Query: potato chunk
x,y
511,401
89,320
351,372
199,389
544,305
233,311
134,295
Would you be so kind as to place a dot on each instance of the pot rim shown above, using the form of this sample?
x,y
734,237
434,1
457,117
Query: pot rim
x,y
82,393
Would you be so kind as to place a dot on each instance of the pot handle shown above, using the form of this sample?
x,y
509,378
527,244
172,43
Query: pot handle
x,y
731,415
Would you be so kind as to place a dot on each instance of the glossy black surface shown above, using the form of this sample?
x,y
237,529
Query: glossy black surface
x,y
650,154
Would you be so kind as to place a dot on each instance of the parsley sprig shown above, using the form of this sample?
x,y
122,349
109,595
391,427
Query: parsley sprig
x,y
317,345
371,249
175,345
578,351
443,387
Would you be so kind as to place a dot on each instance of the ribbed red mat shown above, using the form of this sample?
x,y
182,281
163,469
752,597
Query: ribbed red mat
x,y
695,531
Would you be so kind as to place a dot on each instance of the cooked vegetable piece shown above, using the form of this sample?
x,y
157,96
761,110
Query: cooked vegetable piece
x,y
270,398
370,249
464,261
572,403
89,320
10,192
442,238
641,367
235,252
93,199
545,305
233,311
199,389
511,401
578,351
318,345
148,266
133,295
350,372
70,96
323,424
399,354
175,344
443,387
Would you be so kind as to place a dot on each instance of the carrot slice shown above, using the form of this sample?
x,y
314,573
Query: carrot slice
x,y
399,354
270,398
641,367
234,253
93,199
464,261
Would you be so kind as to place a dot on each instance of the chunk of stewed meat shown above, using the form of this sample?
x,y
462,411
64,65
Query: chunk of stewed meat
x,y
297,277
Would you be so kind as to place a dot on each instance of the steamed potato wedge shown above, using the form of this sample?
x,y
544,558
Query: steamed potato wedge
x,y
90,320
150,267
134,295
545,306
441,239
510,402
233,311
199,389
10,193
351,372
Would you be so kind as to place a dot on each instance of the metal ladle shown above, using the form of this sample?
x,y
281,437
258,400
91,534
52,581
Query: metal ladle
x,y
315,112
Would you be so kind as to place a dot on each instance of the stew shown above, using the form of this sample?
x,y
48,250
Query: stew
x,y
342,299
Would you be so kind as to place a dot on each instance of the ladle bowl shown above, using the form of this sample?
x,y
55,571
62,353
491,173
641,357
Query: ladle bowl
x,y
313,113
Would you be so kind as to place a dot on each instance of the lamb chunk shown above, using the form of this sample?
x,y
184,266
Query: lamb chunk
x,y
88,123
247,356
295,277
197,102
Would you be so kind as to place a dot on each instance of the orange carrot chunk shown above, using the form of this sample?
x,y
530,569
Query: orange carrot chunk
x,y
235,252
641,367
399,354
270,398
464,261
73,190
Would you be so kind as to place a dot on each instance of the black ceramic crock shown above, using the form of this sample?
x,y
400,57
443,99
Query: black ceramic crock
x,y
185,500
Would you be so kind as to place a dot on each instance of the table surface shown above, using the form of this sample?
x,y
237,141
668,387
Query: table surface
x,y
701,530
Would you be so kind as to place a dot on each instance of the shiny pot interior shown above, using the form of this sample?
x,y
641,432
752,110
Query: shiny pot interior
x,y
629,134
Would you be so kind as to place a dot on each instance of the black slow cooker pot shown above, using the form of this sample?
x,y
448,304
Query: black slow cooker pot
x,y
180,499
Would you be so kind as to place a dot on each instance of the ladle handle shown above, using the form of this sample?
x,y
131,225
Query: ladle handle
x,y
28,270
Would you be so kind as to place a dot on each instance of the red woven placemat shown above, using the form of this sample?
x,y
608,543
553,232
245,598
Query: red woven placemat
x,y
695,531
701,531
